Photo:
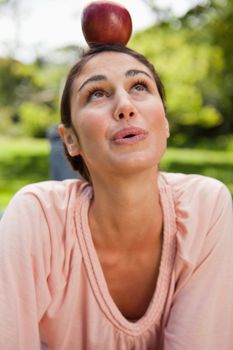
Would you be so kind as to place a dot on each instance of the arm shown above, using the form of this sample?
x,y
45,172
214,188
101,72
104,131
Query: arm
x,y
201,317
24,267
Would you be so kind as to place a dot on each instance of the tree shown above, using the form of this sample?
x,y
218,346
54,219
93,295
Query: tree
x,y
214,26
28,87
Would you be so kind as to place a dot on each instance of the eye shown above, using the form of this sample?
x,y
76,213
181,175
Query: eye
x,y
95,94
140,86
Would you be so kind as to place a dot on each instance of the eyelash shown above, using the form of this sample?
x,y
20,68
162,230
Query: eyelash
x,y
142,82
95,89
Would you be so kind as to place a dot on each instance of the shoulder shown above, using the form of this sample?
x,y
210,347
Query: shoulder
x,y
45,203
48,193
40,213
203,209
192,188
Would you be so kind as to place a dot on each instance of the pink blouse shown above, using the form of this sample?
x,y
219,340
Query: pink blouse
x,y
50,273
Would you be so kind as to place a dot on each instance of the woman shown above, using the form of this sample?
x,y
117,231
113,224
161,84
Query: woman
x,y
130,258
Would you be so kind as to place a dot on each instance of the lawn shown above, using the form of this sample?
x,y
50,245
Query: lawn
x,y
24,161
217,164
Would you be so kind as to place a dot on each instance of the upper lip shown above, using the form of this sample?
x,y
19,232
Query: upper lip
x,y
127,132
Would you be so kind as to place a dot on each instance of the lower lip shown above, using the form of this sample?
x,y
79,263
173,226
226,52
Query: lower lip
x,y
131,140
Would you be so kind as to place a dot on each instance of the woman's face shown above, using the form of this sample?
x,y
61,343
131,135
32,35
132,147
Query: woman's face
x,y
118,115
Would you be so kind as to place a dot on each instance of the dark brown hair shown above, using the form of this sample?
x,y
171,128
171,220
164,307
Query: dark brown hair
x,y
77,162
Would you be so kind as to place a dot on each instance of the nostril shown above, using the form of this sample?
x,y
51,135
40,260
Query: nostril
x,y
123,115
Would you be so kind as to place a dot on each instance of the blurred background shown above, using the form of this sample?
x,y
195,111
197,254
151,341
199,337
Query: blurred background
x,y
189,42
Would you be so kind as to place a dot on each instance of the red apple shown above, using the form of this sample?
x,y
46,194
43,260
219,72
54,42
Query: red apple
x,y
106,22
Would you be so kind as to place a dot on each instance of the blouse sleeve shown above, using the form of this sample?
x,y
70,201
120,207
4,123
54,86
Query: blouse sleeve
x,y
201,316
24,268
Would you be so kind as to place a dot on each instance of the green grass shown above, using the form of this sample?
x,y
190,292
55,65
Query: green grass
x,y
214,163
24,161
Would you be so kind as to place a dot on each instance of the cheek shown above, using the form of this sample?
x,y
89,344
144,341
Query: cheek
x,y
91,128
157,118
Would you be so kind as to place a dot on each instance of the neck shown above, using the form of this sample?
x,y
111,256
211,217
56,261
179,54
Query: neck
x,y
126,212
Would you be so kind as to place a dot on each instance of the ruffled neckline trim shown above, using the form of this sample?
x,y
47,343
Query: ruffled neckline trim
x,y
96,275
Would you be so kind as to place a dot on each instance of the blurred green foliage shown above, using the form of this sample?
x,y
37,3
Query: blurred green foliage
x,y
28,97
35,118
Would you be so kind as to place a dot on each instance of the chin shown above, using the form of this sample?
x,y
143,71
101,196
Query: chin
x,y
136,164
128,163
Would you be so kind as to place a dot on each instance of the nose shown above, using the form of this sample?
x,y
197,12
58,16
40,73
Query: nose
x,y
124,109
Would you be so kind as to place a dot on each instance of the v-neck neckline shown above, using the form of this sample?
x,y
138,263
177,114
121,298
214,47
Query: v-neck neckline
x,y
95,273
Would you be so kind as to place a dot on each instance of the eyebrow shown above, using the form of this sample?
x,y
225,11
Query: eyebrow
x,y
93,78
133,72
129,73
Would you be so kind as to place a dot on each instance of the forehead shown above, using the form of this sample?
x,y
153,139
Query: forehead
x,y
111,63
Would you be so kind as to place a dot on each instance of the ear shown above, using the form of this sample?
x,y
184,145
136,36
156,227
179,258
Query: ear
x,y
69,139
167,128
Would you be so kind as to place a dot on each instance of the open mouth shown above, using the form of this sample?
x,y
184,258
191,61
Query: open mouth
x,y
129,135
